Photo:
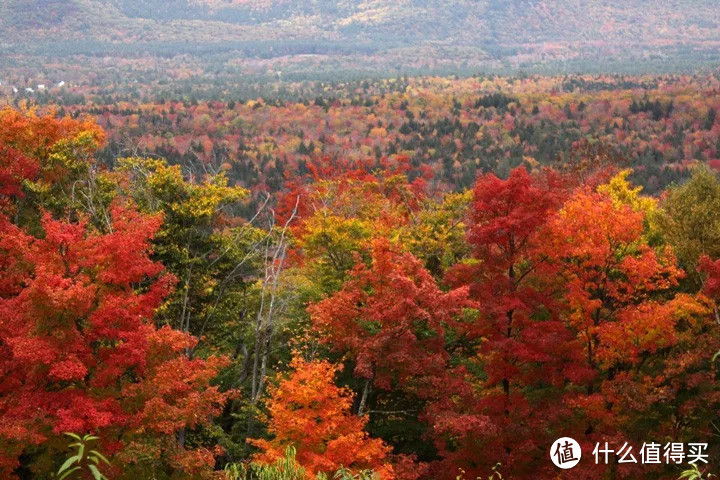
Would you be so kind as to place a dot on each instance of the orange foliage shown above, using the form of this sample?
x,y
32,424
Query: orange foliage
x,y
308,411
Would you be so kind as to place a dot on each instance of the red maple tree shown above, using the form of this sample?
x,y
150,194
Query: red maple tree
x,y
78,348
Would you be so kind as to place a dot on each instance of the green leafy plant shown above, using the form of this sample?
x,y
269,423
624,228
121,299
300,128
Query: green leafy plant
x,y
283,469
496,475
696,474
345,474
287,468
84,460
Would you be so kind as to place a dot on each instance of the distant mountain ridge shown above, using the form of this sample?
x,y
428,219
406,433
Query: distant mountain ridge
x,y
521,30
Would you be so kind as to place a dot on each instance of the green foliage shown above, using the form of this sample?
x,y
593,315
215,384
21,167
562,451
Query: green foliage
x,y
335,243
495,475
690,221
216,258
283,469
438,235
208,256
345,474
84,460
287,468
695,473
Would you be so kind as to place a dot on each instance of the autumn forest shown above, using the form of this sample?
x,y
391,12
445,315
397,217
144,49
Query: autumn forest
x,y
423,278
359,240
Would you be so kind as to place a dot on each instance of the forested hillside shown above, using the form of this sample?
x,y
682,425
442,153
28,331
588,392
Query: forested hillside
x,y
372,35
511,23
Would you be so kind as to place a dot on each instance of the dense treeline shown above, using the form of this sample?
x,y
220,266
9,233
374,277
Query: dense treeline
x,y
457,128
354,317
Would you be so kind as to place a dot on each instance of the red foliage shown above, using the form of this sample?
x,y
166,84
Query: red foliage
x,y
390,319
78,349
14,167
636,338
357,178
712,271
521,340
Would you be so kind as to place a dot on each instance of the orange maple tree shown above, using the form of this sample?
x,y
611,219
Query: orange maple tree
x,y
308,411
637,335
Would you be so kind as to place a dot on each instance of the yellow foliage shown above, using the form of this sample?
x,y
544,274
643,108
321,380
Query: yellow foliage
x,y
621,192
166,182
